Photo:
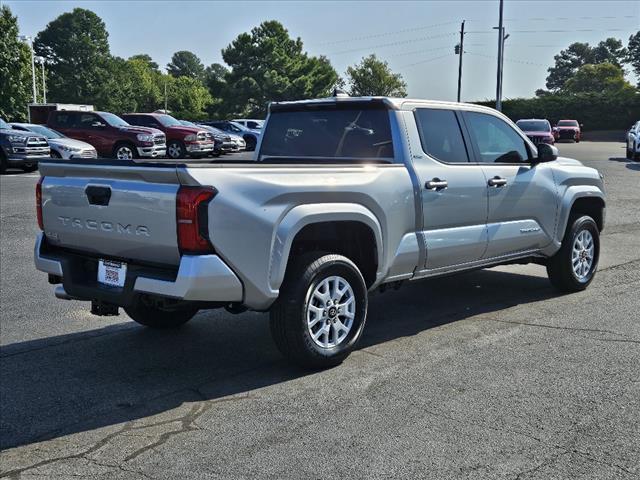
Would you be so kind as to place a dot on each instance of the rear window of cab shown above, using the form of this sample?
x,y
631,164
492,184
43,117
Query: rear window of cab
x,y
329,134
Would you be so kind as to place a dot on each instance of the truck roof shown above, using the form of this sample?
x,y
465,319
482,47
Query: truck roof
x,y
391,103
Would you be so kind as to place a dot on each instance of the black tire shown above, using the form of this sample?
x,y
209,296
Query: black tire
x,y
154,317
55,154
629,154
30,168
288,316
176,149
251,142
125,151
560,266
3,162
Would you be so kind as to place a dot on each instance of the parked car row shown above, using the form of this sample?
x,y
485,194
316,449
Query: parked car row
x,y
540,130
86,133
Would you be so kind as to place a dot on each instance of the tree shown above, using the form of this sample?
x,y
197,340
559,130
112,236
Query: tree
x,y
185,64
268,65
568,61
143,57
15,69
633,54
187,97
77,46
600,78
374,77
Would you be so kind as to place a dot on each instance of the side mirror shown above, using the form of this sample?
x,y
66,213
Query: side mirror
x,y
546,153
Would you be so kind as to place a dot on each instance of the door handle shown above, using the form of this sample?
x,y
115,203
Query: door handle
x,y
436,184
497,181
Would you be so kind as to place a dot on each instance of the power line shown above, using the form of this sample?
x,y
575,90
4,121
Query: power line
x,y
425,61
402,42
556,31
513,60
378,35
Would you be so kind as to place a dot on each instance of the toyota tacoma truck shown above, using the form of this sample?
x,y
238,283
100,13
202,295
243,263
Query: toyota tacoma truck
x,y
109,134
21,149
182,140
343,196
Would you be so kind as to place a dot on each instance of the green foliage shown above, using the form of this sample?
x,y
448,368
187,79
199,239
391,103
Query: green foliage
x,y
603,77
77,46
185,64
15,70
633,54
597,111
268,65
374,77
568,61
187,97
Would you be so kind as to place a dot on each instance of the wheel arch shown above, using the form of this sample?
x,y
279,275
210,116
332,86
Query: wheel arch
x,y
586,201
351,230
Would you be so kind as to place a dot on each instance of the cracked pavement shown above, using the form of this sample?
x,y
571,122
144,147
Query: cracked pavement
x,y
489,374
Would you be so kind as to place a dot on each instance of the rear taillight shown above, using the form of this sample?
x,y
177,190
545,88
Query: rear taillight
x,y
39,203
193,219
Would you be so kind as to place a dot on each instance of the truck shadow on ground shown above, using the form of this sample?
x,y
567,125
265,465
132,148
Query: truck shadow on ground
x,y
630,164
83,381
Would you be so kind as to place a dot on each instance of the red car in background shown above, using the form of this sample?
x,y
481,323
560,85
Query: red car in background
x,y
109,134
538,130
182,140
568,130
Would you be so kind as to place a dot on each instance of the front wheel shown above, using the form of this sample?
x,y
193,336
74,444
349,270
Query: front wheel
x,y
125,151
321,311
154,317
176,150
573,267
30,167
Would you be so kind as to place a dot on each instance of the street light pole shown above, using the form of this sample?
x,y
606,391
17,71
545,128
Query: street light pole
x,y
27,39
499,73
42,61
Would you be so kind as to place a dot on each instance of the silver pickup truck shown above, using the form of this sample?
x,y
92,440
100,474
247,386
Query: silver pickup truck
x,y
344,195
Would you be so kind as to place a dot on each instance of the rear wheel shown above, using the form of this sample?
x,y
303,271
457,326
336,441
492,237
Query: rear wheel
x,y
3,162
251,142
125,151
321,311
573,267
154,317
30,167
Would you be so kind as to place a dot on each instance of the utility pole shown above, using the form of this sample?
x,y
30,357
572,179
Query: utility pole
x,y
499,74
461,51
165,96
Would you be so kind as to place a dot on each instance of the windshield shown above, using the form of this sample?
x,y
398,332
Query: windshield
x,y
534,125
113,120
168,121
567,123
329,134
4,125
44,131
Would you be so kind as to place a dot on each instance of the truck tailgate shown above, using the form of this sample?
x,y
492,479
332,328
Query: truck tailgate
x,y
121,212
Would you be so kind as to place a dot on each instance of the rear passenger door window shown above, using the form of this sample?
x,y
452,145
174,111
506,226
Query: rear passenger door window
x,y
495,140
441,135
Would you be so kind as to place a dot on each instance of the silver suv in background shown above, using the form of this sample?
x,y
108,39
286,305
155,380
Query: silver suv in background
x,y
345,195
20,149
61,146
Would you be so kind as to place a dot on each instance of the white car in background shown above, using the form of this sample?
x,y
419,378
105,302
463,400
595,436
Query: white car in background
x,y
61,146
633,142
251,123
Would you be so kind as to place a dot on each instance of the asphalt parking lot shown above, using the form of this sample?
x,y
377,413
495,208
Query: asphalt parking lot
x,y
490,374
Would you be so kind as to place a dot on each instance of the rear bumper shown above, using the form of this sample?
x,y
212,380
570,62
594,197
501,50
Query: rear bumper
x,y
198,278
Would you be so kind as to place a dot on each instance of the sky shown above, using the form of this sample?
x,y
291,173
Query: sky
x,y
416,38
